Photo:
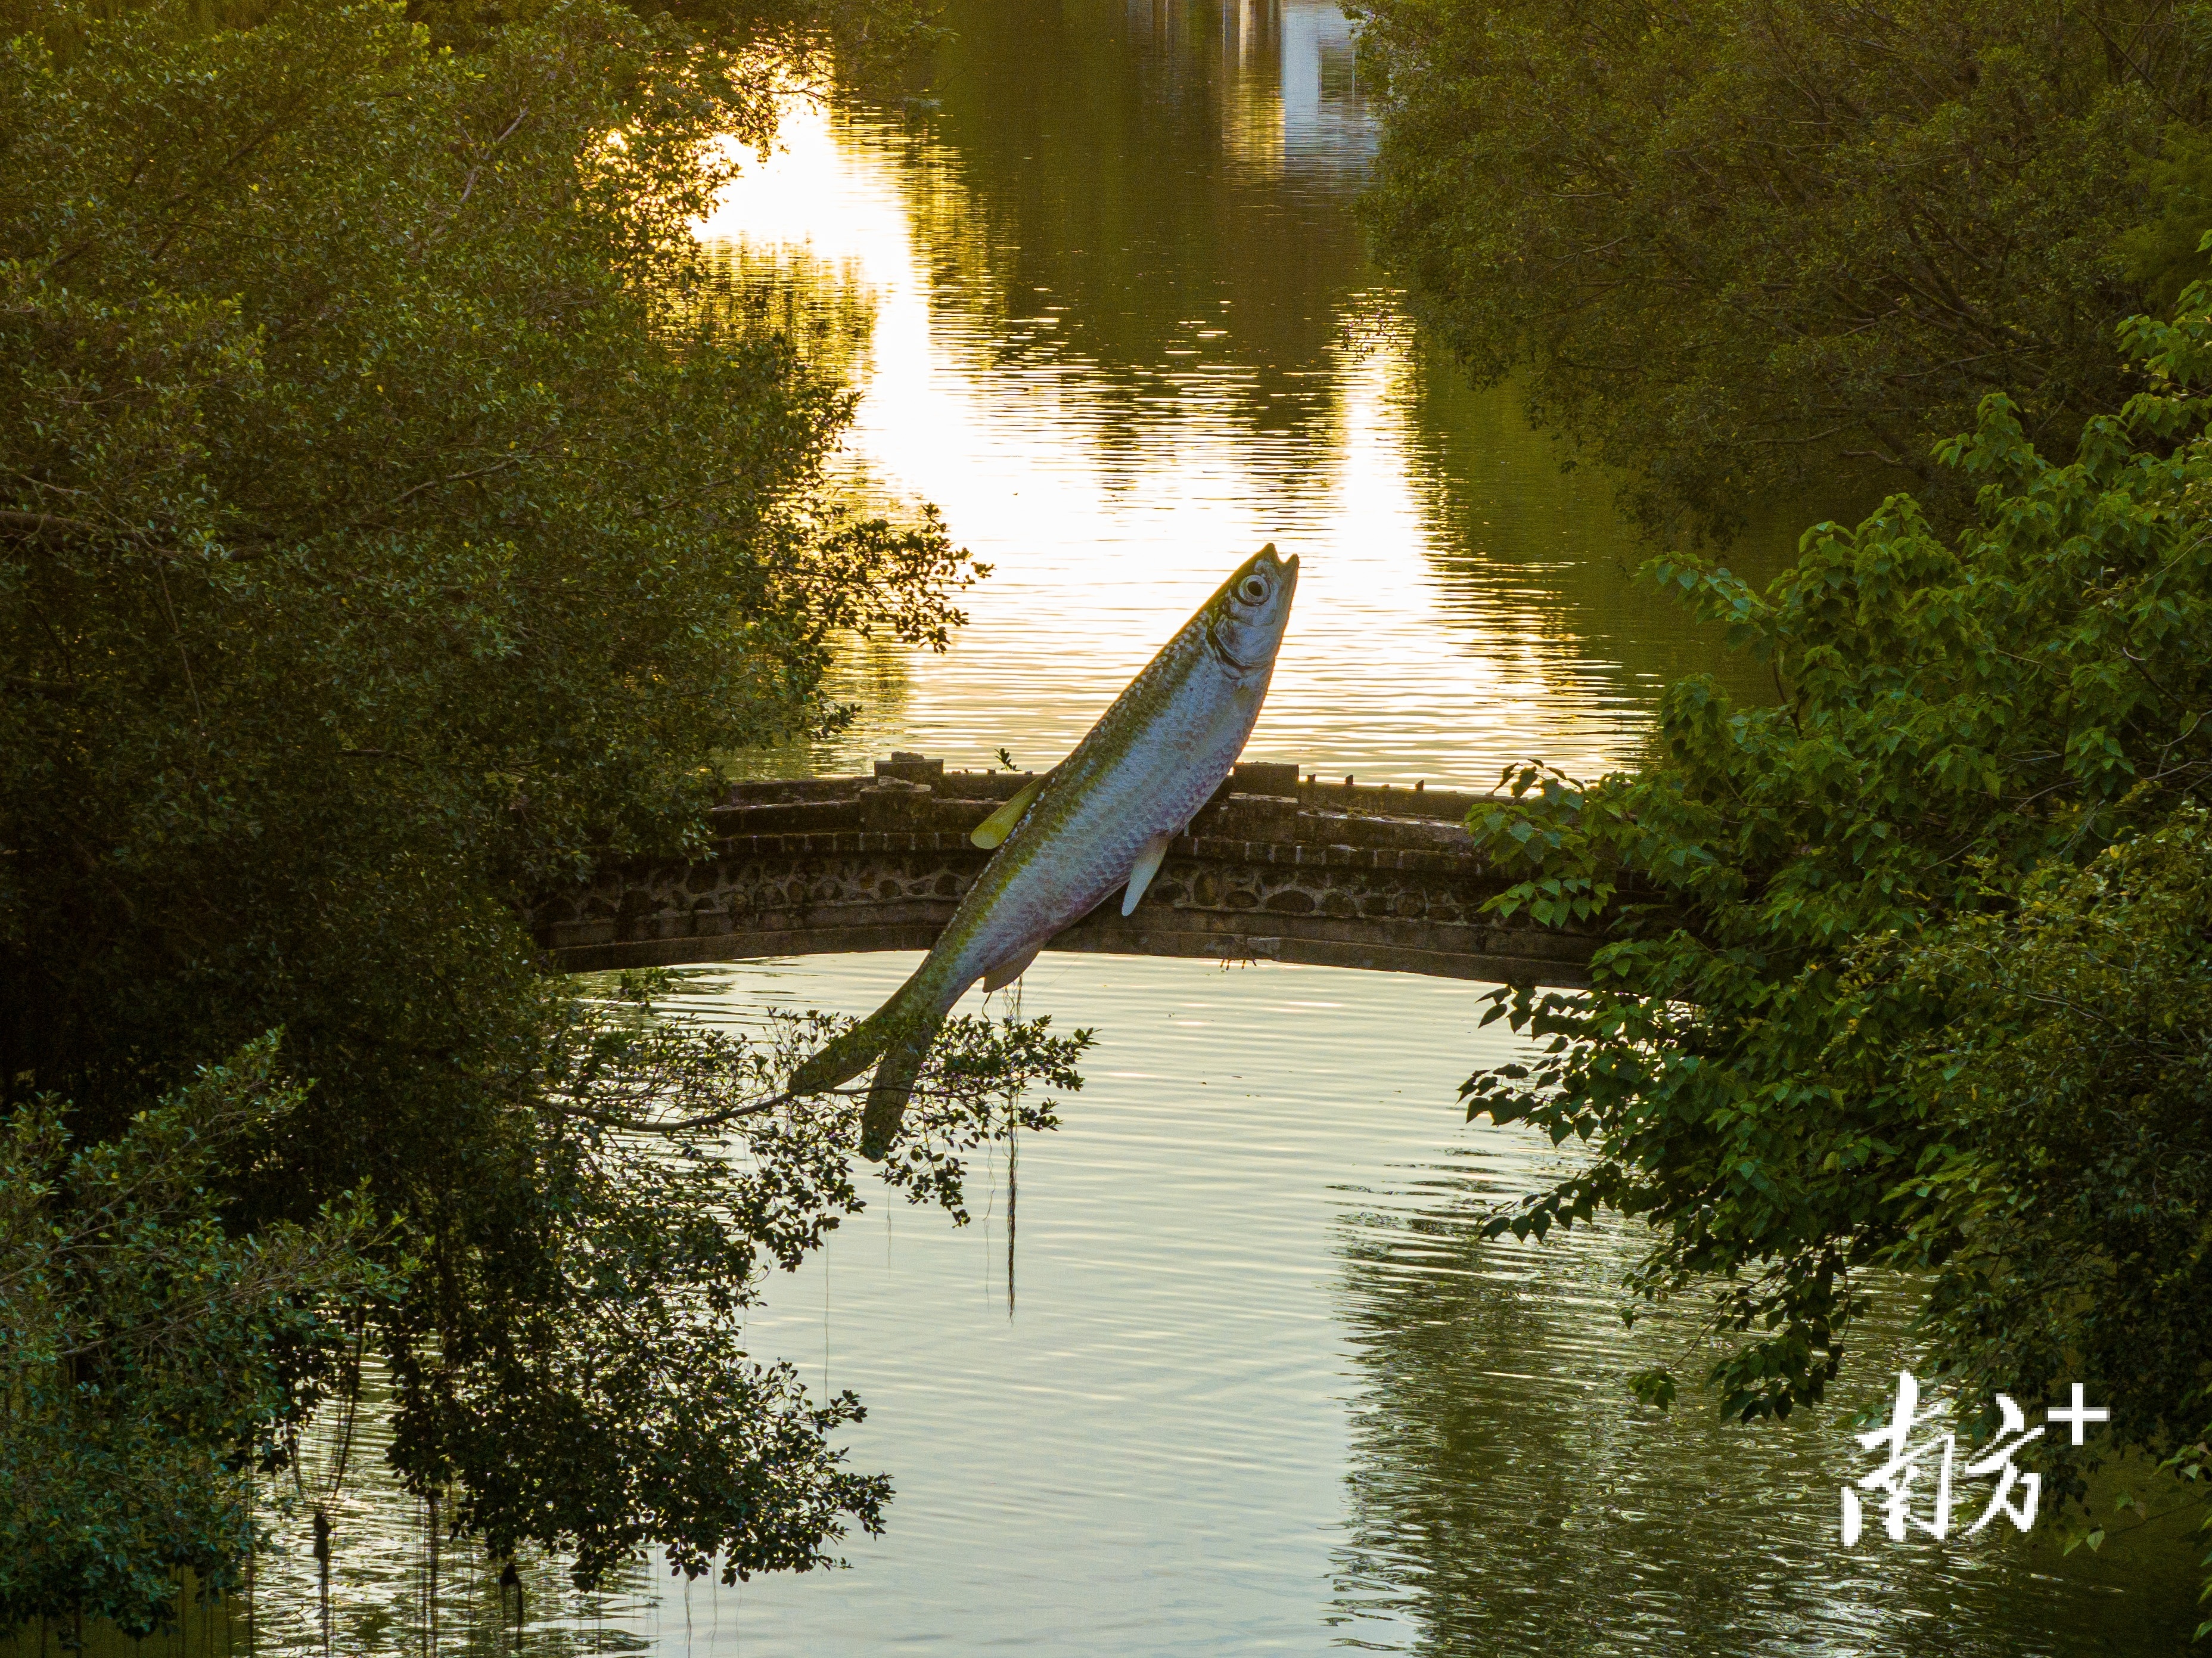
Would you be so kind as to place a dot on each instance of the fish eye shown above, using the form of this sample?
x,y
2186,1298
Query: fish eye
x,y
1252,589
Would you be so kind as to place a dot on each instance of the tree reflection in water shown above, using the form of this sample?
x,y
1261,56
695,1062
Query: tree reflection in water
x,y
1506,1495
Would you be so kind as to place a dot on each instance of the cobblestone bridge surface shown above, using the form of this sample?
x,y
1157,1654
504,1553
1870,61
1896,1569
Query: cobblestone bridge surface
x,y
1275,867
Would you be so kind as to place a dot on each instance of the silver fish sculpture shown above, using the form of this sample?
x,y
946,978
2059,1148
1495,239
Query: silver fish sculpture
x,y
1102,818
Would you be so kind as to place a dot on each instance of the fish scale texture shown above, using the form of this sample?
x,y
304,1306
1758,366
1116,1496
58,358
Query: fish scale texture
x,y
1125,783
1145,770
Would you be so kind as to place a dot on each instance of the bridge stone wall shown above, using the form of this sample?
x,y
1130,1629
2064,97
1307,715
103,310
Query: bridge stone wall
x,y
1274,867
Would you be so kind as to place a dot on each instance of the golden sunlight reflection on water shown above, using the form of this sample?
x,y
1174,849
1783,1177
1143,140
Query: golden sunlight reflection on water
x,y
1110,496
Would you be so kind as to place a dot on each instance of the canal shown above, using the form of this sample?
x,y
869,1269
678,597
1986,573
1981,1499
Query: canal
x,y
1222,1366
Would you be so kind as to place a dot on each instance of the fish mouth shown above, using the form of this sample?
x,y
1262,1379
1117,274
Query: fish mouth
x,y
1284,565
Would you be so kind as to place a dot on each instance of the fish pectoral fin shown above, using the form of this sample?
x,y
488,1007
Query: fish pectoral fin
x,y
1001,823
1147,866
1010,970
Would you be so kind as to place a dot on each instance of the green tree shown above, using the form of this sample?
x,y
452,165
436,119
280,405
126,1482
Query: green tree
x,y
1907,969
393,523
373,528
2061,1211
150,1362
1739,246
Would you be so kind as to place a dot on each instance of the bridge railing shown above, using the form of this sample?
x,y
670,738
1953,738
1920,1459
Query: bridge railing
x,y
1279,865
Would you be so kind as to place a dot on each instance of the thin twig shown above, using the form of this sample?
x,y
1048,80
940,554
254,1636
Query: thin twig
x,y
199,718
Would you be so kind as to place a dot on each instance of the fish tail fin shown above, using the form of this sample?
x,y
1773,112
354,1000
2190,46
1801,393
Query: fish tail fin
x,y
894,1084
846,1055
895,1038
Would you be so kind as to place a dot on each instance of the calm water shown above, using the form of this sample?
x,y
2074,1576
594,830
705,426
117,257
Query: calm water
x,y
1261,1389
1124,330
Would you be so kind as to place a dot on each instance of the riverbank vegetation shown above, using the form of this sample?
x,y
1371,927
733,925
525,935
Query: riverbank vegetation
x,y
1744,250
1907,969
1910,969
392,524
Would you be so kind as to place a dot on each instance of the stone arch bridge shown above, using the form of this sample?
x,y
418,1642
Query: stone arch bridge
x,y
1274,867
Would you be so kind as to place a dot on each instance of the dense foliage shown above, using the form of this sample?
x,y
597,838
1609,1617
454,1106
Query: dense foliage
x,y
376,546
1909,968
574,1376
2063,1210
1733,245
393,522
149,1361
